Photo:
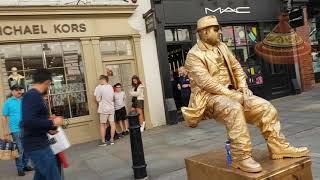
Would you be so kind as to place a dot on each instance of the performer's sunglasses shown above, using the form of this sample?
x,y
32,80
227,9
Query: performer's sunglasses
x,y
216,28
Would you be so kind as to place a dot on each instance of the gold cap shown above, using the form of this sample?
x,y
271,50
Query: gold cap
x,y
207,21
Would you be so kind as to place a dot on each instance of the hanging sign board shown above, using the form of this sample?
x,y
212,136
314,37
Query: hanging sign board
x,y
149,18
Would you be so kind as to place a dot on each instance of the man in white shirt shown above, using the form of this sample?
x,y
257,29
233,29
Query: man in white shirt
x,y
105,97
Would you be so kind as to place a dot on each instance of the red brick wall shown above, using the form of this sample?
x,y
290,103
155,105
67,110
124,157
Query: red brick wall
x,y
305,64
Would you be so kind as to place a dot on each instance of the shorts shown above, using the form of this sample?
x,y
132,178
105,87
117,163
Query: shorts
x,y
121,114
138,104
104,118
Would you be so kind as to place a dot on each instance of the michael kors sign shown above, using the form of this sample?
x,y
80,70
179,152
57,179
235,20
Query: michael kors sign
x,y
237,10
15,30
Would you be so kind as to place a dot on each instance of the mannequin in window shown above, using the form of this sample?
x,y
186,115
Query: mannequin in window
x,y
15,78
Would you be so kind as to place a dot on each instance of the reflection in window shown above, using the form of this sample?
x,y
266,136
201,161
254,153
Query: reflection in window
x,y
11,54
53,54
32,55
108,48
170,35
67,95
313,33
180,34
183,34
124,47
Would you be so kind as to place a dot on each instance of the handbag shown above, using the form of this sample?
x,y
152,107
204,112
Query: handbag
x,y
8,150
59,141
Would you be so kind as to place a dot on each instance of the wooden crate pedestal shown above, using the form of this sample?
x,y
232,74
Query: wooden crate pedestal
x,y
213,165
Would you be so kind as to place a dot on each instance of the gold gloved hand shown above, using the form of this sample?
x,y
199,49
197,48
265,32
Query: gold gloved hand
x,y
246,91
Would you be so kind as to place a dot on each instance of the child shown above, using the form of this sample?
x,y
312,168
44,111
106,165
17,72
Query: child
x,y
120,109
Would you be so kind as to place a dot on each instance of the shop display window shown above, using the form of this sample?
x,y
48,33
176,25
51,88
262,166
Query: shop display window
x,y
251,34
241,40
183,34
68,93
227,35
240,36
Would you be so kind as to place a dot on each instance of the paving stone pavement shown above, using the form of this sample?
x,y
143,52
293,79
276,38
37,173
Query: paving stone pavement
x,y
166,147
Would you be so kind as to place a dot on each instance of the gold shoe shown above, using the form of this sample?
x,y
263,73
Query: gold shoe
x,y
248,165
290,152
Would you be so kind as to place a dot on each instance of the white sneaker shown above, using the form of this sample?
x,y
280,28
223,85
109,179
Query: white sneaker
x,y
142,126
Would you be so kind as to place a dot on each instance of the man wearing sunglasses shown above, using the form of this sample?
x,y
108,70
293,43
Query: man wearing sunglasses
x,y
12,116
219,91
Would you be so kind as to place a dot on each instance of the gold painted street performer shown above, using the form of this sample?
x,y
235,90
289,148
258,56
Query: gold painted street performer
x,y
219,91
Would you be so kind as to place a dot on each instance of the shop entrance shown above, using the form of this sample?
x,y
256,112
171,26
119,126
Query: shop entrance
x,y
177,56
120,72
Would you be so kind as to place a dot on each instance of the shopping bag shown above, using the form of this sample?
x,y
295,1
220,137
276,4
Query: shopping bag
x,y
59,141
2,147
7,151
15,151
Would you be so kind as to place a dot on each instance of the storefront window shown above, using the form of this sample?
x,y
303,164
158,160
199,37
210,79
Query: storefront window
x,y
251,34
314,38
170,35
111,48
241,40
67,95
316,61
240,35
177,34
227,35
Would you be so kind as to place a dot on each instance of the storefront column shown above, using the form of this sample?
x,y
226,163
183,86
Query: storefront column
x,y
2,95
97,56
140,68
90,67
305,63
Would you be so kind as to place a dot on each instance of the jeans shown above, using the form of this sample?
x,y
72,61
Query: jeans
x,y
45,164
22,160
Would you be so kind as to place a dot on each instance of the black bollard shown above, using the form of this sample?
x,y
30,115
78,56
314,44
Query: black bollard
x,y
139,165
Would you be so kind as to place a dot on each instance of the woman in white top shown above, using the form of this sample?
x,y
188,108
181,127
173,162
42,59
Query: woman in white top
x,y
138,99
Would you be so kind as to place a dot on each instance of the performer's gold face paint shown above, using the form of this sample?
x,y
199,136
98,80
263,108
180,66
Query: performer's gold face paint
x,y
211,35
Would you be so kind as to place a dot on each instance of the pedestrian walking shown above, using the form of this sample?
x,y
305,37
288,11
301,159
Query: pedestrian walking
x,y
184,86
138,99
120,109
105,97
12,117
35,125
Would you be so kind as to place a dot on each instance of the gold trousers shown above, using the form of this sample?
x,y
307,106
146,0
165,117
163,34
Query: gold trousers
x,y
235,116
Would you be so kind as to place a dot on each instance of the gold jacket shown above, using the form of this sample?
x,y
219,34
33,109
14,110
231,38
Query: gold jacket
x,y
203,70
